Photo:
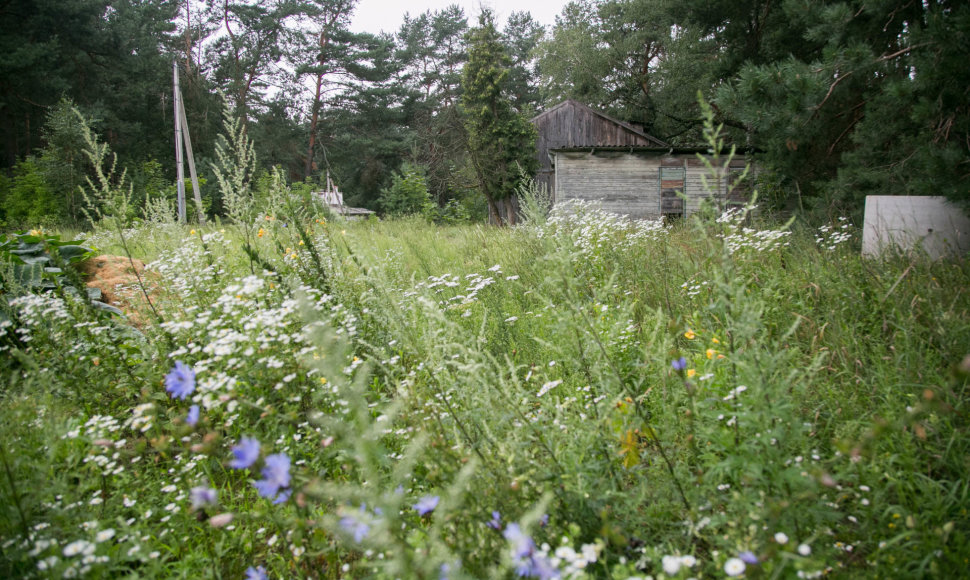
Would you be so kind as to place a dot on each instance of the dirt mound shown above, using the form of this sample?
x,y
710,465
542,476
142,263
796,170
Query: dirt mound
x,y
116,277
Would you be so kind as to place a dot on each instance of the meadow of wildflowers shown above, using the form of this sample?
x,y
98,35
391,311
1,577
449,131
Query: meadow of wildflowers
x,y
583,396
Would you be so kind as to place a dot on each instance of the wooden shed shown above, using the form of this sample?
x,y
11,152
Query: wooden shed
x,y
587,155
573,124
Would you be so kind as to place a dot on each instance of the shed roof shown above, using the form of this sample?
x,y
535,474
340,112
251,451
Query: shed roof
x,y
626,127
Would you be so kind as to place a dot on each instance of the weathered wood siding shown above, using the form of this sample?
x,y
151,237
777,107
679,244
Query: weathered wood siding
x,y
630,183
572,124
621,182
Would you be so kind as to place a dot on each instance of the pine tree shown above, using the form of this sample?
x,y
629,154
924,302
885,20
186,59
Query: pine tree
x,y
878,106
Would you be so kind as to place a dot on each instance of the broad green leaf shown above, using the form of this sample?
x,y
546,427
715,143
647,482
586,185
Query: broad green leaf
x,y
72,252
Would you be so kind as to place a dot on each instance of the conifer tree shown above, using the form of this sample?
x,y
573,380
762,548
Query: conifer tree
x,y
501,142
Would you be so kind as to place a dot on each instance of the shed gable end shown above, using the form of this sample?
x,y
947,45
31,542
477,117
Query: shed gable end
x,y
573,124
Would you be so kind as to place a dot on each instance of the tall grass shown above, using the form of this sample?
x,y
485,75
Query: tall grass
x,y
583,396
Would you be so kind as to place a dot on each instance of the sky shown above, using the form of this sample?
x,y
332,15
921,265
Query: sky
x,y
386,15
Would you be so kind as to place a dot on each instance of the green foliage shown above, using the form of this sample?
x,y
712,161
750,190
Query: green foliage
x,y
408,194
256,37
429,53
520,370
234,169
521,37
62,159
501,141
535,202
454,212
108,197
633,60
572,65
868,105
27,200
35,261
44,191
111,61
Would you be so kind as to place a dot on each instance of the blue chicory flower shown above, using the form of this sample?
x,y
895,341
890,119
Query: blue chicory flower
x,y
679,364
276,475
180,381
193,417
427,504
522,544
529,563
203,496
354,526
256,573
246,453
748,558
496,521
537,567
448,568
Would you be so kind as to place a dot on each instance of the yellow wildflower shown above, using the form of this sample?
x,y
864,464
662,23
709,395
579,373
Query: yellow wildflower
x,y
260,233
630,448
715,340
691,373
689,335
323,381
191,232
711,352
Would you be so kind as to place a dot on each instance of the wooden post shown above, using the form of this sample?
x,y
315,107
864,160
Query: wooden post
x,y
179,171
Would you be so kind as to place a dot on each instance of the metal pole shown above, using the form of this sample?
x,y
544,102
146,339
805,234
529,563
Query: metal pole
x,y
179,171
196,192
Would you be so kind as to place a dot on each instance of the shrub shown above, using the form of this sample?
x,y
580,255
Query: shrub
x,y
27,200
407,195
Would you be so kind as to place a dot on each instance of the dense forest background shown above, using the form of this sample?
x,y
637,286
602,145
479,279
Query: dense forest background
x,y
841,99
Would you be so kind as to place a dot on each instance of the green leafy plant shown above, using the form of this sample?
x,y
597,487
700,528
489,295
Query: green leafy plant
x,y
37,261
408,193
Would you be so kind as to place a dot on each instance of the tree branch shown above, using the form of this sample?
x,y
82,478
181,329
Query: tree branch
x,y
829,94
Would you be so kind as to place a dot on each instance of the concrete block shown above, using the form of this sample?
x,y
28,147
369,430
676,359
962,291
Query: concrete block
x,y
936,225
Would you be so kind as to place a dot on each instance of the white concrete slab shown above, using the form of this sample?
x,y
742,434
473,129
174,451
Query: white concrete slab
x,y
932,223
